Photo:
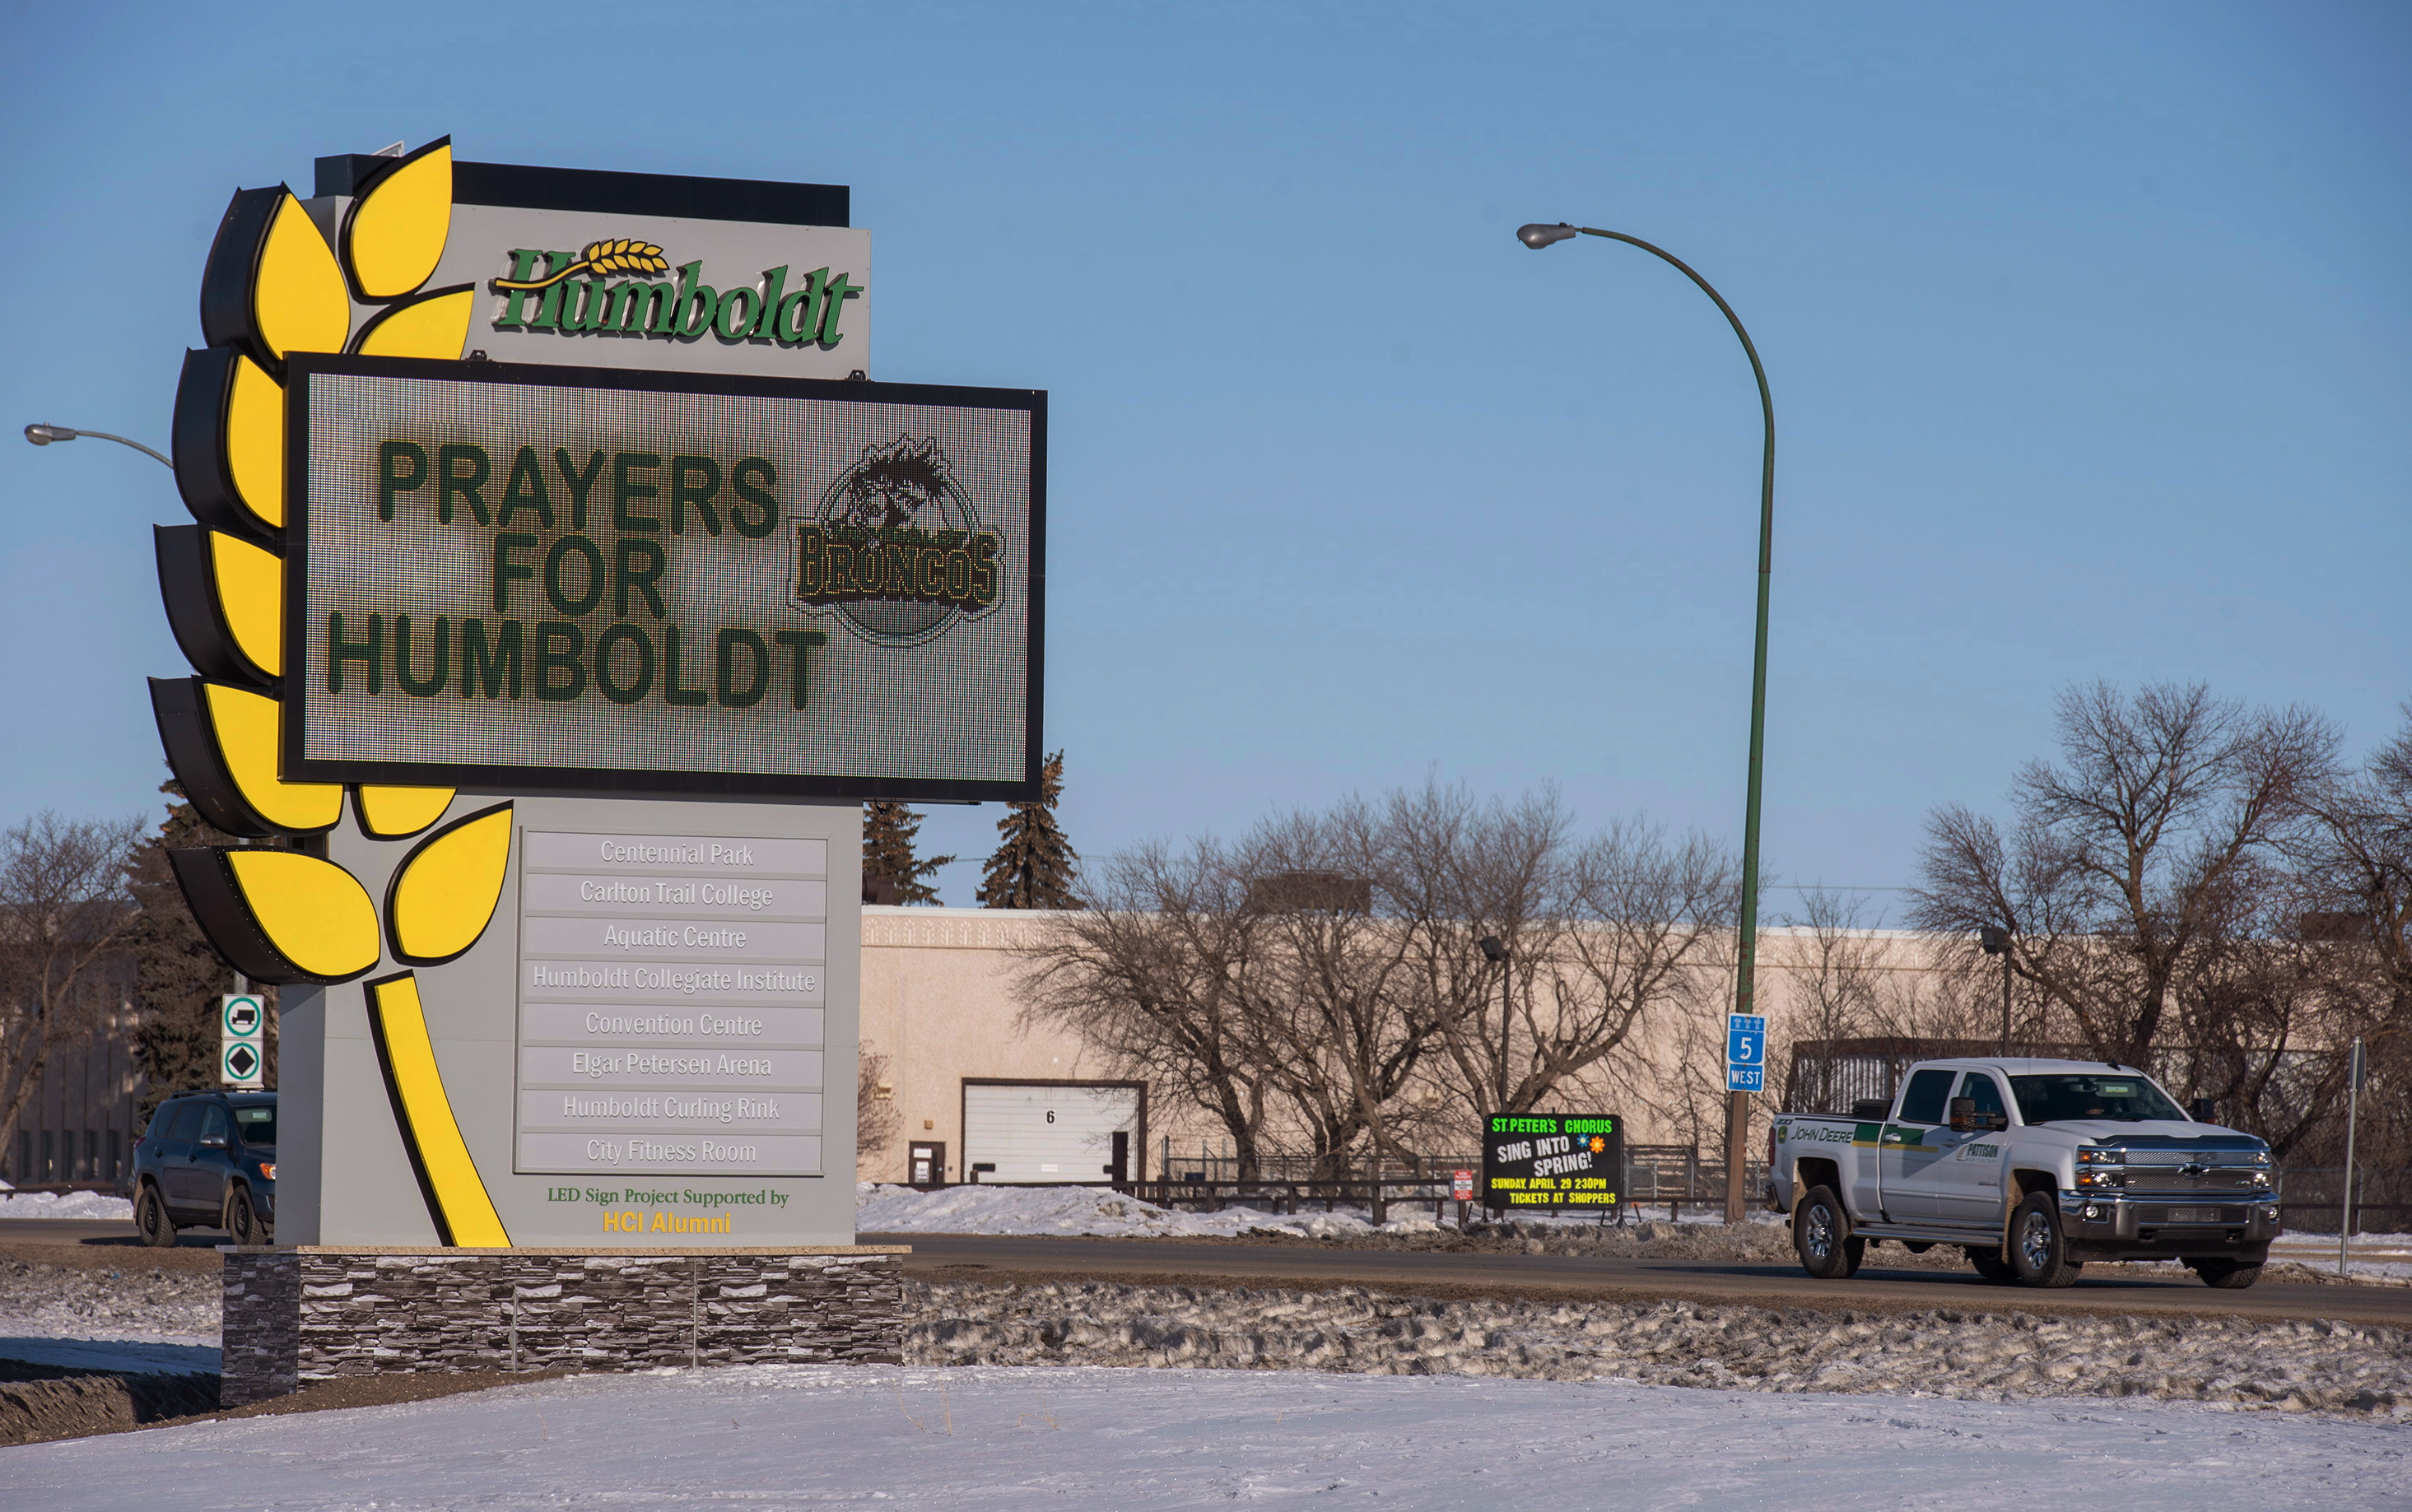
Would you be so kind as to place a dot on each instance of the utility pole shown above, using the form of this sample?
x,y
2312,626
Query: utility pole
x,y
2352,1113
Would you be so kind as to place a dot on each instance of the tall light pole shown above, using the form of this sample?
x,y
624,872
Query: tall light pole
x,y
42,435
1496,954
1537,236
1994,940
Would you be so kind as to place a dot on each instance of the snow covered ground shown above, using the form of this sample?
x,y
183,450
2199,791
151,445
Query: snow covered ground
x,y
64,1205
1092,1210
1120,1440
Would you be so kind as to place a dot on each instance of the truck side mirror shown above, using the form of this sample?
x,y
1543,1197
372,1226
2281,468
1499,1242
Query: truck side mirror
x,y
2203,1110
1963,1115
1997,1122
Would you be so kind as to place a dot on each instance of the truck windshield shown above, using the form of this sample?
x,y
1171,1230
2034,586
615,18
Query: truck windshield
x,y
2122,1099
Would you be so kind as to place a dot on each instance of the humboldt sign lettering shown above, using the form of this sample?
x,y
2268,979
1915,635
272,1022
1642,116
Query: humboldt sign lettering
x,y
579,268
609,287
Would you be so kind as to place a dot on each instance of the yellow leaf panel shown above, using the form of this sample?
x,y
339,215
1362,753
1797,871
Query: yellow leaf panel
x,y
251,594
298,298
313,912
391,813
255,440
247,726
463,1212
436,326
397,230
446,891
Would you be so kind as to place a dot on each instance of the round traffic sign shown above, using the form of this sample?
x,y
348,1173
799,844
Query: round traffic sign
x,y
241,1063
244,1015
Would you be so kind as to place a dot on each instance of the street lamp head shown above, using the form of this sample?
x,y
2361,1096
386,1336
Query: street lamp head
x,y
1493,950
1539,234
42,435
1993,939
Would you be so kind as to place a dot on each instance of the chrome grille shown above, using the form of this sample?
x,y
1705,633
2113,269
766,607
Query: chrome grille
x,y
2185,1172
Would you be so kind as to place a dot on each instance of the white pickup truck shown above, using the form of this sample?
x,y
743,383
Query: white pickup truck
x,y
2032,1167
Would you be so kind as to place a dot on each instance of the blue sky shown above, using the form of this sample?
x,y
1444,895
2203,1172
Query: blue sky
x,y
2087,328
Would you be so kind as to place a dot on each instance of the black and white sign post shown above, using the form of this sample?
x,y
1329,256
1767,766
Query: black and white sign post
x,y
243,1023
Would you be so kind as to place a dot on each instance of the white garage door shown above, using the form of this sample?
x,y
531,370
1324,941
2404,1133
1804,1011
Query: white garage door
x,y
1050,1132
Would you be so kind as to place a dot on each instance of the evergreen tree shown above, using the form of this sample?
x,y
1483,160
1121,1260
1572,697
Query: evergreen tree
x,y
887,831
178,975
1034,864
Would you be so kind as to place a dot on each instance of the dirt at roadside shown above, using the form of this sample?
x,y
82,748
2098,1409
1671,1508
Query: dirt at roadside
x,y
38,1405
125,1256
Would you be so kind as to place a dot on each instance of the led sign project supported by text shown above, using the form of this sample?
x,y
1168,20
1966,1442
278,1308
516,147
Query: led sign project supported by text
x,y
531,578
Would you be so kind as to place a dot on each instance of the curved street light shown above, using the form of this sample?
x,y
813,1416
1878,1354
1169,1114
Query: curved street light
x,y
42,435
1537,236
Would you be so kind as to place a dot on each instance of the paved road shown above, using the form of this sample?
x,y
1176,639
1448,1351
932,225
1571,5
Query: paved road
x,y
965,1255
970,1257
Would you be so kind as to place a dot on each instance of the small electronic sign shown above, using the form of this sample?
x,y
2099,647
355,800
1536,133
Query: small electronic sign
x,y
1552,1160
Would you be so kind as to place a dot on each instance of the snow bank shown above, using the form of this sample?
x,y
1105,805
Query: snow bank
x,y
14,1204
1131,1440
1085,1211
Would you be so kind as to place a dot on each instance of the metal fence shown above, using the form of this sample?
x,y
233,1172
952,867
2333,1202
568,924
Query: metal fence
x,y
2309,1200
1677,1177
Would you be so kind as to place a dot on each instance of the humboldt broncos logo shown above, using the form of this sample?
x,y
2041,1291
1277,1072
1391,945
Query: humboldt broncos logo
x,y
895,549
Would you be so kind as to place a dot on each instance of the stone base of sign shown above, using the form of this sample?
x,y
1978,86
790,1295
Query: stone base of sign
x,y
296,1315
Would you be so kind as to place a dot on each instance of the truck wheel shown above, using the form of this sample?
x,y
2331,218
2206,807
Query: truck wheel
x,y
2038,1250
1991,1265
151,1220
1822,1237
2224,1273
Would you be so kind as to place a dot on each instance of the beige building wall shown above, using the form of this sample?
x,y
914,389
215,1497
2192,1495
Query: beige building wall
x,y
938,1000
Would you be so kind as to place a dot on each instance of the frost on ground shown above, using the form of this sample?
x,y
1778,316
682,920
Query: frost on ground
x,y
1086,1210
97,1205
135,1302
1134,1441
2291,1366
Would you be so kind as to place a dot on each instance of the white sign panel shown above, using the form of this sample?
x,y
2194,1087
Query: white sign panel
x,y
243,1028
671,1004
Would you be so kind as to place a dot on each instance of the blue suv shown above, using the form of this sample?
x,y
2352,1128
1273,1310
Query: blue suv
x,y
206,1161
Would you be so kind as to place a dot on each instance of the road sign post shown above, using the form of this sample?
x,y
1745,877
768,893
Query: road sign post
x,y
1745,1073
242,1052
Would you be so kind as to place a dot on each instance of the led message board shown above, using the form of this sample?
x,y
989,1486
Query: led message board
x,y
512,578
1552,1160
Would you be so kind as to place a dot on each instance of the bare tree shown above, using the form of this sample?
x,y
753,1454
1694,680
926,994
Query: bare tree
x,y
875,1118
1455,872
1837,993
62,910
1337,1027
1650,933
2128,854
2356,860
1325,981
1152,976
